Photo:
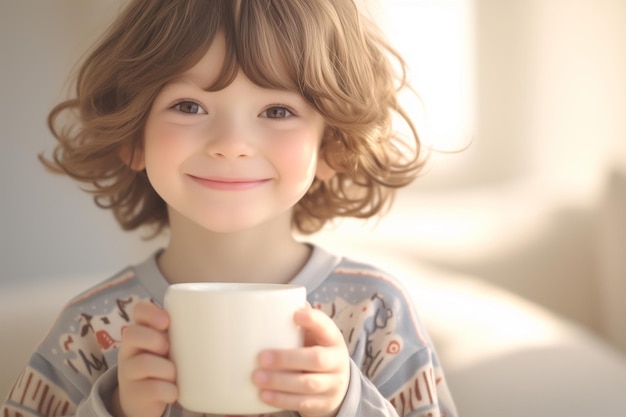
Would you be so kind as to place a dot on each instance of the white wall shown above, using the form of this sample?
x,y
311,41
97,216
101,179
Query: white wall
x,y
551,100
550,93
48,228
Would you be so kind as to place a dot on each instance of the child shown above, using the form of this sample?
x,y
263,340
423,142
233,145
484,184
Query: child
x,y
234,124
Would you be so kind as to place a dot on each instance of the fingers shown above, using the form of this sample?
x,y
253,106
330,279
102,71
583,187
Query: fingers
x,y
311,394
295,382
319,329
307,359
147,366
148,314
146,377
144,348
313,379
146,398
324,349
147,333
314,405
136,339
154,394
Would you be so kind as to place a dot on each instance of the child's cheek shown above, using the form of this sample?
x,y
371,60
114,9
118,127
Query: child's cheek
x,y
298,161
170,145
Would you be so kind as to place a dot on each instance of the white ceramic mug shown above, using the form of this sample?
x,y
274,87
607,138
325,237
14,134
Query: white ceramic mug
x,y
217,331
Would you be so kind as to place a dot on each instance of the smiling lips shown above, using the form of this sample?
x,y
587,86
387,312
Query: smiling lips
x,y
229,184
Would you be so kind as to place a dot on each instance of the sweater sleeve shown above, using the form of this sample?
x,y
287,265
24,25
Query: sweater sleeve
x,y
395,370
41,390
363,398
73,370
97,402
423,394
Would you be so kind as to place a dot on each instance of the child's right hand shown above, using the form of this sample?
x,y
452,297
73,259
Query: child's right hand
x,y
146,377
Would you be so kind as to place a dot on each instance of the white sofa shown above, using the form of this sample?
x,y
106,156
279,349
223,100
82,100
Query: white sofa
x,y
506,356
503,356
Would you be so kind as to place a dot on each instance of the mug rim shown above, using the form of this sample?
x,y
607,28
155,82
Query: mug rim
x,y
230,287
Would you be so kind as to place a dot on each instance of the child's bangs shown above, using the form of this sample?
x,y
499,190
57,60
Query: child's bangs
x,y
267,45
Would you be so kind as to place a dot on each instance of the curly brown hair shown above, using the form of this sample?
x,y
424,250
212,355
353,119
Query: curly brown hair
x,y
333,56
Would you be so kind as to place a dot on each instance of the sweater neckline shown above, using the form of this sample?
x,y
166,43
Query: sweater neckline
x,y
319,265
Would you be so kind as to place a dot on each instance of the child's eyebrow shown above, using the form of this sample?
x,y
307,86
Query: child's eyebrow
x,y
199,77
197,81
183,79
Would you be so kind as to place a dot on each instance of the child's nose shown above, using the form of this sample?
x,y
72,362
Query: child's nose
x,y
229,139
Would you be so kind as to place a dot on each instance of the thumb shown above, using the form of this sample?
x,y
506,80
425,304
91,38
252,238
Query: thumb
x,y
319,329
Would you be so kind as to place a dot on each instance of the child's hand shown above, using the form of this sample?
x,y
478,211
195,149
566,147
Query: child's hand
x,y
146,377
312,380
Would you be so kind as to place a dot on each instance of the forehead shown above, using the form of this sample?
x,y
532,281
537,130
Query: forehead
x,y
220,63
207,70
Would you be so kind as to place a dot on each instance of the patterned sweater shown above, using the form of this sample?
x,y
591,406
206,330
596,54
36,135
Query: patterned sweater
x,y
394,367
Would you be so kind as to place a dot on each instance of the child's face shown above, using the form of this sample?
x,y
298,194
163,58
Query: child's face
x,y
231,159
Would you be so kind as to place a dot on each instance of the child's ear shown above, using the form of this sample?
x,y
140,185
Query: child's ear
x,y
323,172
132,156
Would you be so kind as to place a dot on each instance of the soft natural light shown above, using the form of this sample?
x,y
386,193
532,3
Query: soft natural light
x,y
436,39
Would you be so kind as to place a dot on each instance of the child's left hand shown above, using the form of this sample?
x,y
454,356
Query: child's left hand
x,y
312,380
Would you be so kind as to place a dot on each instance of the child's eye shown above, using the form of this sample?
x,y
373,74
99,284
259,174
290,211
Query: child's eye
x,y
189,107
277,112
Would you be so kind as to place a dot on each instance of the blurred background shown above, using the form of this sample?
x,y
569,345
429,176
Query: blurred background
x,y
522,106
